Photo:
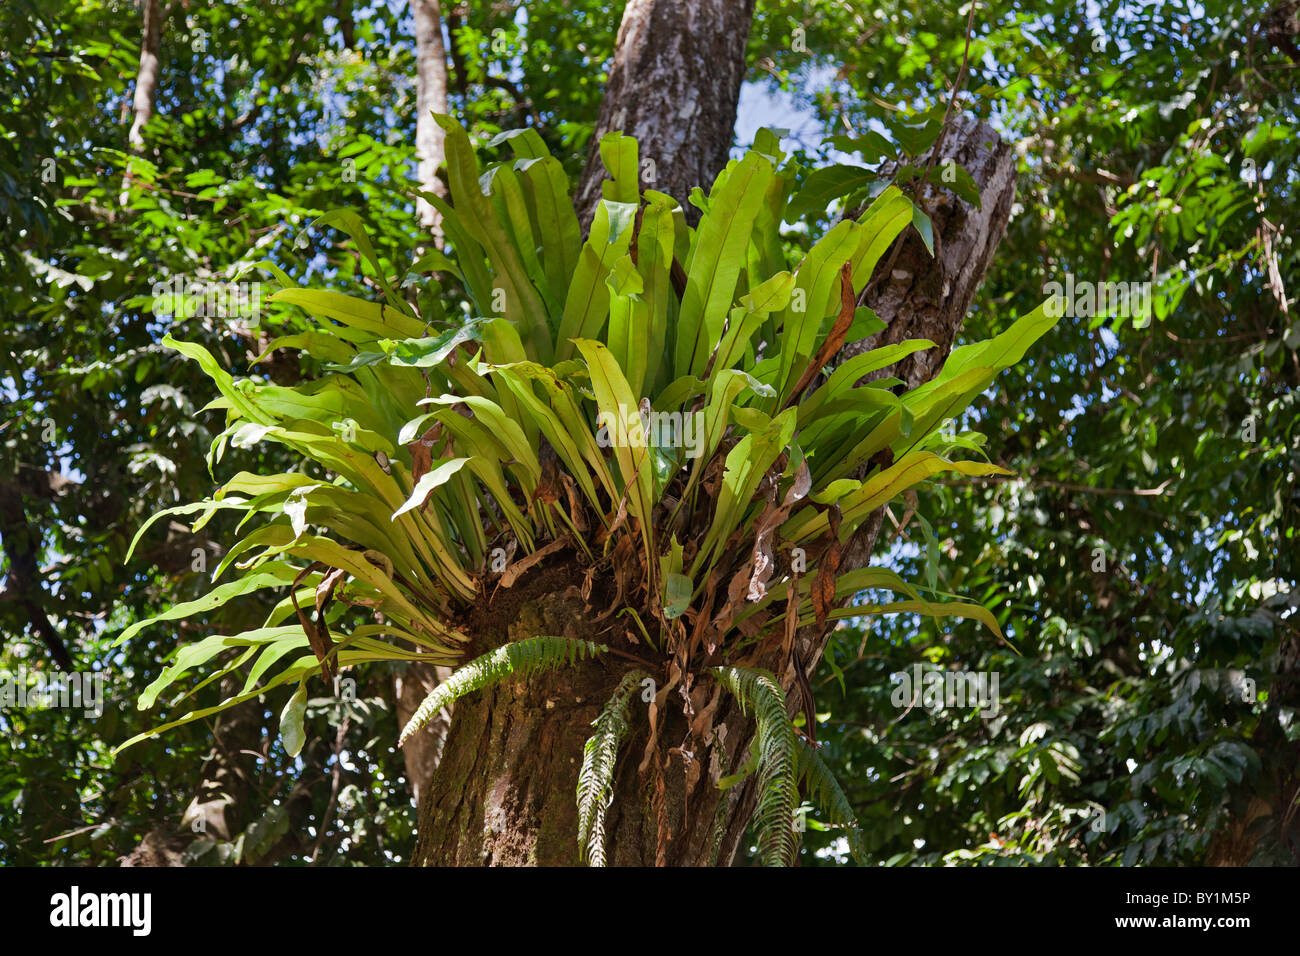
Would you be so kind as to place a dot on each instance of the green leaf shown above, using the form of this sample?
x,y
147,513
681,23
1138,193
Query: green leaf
x,y
717,257
925,227
350,222
423,352
267,576
871,146
479,218
434,479
961,182
905,473
815,298
596,777
619,154
292,732
881,223
296,670
824,186
616,401
523,658
915,140
379,320
586,304
629,322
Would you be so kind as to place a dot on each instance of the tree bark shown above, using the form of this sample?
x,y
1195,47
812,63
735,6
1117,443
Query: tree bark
x,y
431,97
1263,820
674,85
415,683
505,792
146,80
422,751
924,296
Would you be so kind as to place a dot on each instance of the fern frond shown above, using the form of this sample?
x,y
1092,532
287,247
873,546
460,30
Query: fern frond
x,y
776,744
722,813
825,792
523,658
596,778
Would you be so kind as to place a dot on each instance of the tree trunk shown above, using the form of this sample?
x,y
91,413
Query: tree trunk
x,y
146,80
415,683
22,600
1263,822
146,91
431,97
674,85
422,751
505,791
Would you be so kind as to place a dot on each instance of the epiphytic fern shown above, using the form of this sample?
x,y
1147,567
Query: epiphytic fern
x,y
758,691
596,779
825,792
520,657
440,424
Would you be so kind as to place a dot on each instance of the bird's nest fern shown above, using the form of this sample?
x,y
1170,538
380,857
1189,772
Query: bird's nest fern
x,y
664,405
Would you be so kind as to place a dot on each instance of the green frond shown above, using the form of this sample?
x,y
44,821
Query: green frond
x,y
827,795
522,658
776,743
596,778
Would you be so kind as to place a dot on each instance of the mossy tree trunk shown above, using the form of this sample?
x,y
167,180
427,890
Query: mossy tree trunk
x,y
504,793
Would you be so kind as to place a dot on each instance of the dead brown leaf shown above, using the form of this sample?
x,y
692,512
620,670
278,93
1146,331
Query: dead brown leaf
x,y
835,339
512,573
422,452
823,589
319,644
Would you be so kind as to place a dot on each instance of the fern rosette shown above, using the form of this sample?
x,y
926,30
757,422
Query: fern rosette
x,y
660,407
